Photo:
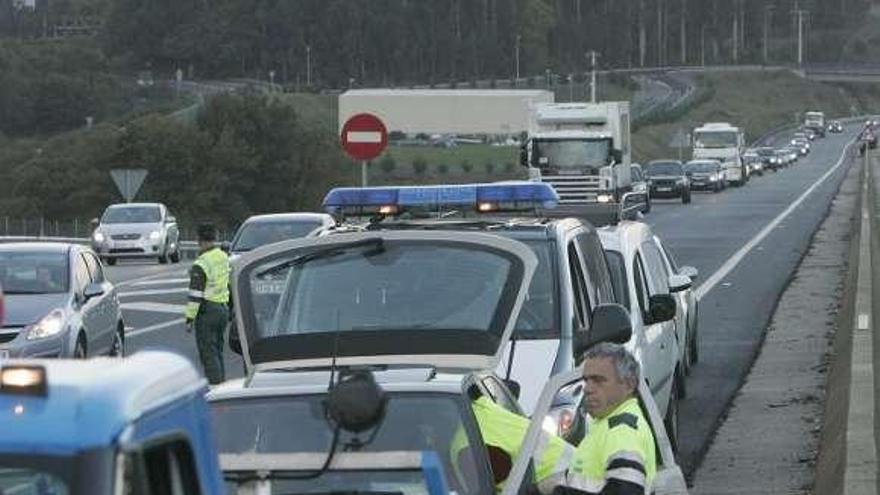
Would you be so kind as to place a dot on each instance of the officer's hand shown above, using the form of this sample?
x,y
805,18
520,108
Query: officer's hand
x,y
189,325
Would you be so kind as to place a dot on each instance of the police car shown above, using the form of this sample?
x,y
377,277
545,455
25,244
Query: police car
x,y
105,426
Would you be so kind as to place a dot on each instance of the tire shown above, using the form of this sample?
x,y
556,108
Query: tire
x,y
163,259
117,348
694,344
670,421
80,351
175,256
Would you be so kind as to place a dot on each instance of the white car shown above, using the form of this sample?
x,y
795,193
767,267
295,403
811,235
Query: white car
x,y
136,230
644,286
687,317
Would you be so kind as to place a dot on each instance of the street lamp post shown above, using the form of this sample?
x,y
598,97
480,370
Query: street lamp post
x,y
518,38
308,66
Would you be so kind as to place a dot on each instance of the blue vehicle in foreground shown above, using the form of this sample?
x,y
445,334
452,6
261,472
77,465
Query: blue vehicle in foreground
x,y
106,426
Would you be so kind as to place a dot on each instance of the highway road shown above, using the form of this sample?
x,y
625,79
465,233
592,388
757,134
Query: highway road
x,y
746,243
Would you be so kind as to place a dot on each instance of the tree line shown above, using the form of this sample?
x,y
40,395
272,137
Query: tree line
x,y
337,43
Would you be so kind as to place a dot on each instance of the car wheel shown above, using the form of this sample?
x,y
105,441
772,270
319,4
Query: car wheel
x,y
117,349
670,421
80,351
175,256
163,259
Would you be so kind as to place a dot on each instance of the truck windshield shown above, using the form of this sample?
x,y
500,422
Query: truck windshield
x,y
571,153
412,422
716,139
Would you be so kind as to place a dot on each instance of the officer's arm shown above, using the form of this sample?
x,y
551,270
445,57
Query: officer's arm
x,y
198,280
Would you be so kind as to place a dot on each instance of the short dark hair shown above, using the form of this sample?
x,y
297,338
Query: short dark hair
x,y
207,233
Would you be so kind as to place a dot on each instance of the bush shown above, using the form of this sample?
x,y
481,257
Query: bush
x,y
387,163
466,167
396,135
508,167
422,136
490,168
443,169
419,165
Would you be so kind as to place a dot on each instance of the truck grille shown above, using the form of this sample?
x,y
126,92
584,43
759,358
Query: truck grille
x,y
575,188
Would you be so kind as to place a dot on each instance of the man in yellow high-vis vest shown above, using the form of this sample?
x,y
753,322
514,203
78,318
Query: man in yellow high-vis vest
x,y
617,457
206,309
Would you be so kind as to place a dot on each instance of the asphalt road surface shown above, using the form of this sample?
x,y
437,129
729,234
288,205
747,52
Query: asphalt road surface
x,y
765,226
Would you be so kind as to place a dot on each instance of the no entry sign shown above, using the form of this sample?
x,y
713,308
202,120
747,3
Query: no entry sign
x,y
364,137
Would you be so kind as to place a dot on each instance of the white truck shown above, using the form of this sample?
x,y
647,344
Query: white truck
x,y
816,122
723,142
581,149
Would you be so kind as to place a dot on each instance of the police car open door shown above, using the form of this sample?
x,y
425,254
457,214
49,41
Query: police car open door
x,y
669,479
448,300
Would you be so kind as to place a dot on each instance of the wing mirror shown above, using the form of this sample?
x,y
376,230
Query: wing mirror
x,y
171,219
690,272
226,246
611,323
92,290
679,283
661,308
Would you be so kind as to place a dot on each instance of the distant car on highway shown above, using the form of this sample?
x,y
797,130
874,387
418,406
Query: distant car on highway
x,y
260,230
753,162
801,145
640,184
835,127
58,303
668,180
768,157
705,175
137,230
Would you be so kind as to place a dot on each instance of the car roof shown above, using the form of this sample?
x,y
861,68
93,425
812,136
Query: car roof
x,y
38,247
625,236
280,217
395,380
89,403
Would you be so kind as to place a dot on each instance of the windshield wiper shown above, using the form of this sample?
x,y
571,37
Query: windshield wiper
x,y
377,243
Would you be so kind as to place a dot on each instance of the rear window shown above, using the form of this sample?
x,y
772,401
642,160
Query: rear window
x,y
412,422
255,234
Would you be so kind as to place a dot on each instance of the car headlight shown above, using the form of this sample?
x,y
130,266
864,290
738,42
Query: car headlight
x,y
560,420
49,325
99,237
713,178
604,198
155,235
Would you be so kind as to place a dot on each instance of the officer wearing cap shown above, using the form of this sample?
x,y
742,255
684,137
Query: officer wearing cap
x,y
206,309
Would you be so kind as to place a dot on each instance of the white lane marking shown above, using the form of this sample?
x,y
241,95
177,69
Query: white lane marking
x,y
738,256
154,307
164,281
153,328
154,276
364,137
151,292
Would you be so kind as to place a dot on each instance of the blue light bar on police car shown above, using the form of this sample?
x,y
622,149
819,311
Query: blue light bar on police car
x,y
506,196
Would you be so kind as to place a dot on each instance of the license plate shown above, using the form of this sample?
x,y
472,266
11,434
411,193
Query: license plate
x,y
269,287
664,189
4,354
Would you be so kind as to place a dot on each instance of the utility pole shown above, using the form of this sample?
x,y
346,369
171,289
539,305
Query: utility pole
x,y
736,35
768,14
800,13
703,46
308,66
660,33
518,38
592,54
683,32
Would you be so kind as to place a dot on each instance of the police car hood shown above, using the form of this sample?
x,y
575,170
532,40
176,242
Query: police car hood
x,y
396,298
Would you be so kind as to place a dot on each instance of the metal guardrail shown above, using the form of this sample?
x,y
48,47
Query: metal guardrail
x,y
187,248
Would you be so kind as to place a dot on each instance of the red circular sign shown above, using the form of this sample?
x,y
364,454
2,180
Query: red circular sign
x,y
364,137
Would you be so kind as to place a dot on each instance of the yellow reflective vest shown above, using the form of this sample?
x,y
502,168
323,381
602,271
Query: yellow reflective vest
x,y
209,280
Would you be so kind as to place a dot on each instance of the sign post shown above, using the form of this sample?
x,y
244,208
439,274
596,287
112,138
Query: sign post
x,y
364,138
128,181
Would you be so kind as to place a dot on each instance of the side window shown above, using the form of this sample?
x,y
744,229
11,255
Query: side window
x,y
669,256
640,282
579,291
166,468
81,275
597,268
656,269
95,269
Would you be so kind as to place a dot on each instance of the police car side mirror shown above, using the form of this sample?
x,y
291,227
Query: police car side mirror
x,y
225,246
689,272
611,323
661,308
679,283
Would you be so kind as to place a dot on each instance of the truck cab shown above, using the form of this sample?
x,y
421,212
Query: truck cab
x,y
816,122
581,149
723,142
106,426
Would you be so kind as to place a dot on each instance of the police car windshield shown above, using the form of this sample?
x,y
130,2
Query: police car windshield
x,y
132,214
255,234
400,286
412,422
33,272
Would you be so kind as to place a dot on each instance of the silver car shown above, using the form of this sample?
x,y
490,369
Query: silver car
x,y
137,230
58,303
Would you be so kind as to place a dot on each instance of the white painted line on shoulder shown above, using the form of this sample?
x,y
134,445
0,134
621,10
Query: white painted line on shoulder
x,y
153,328
154,307
738,256
152,292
